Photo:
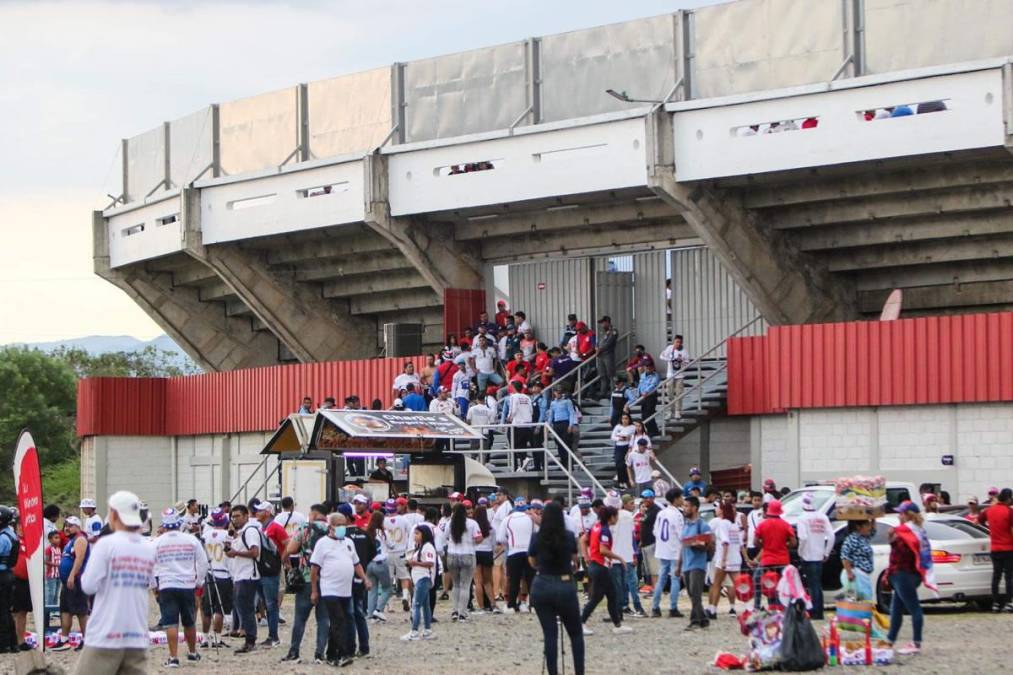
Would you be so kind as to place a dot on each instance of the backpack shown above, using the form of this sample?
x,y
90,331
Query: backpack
x,y
12,558
269,561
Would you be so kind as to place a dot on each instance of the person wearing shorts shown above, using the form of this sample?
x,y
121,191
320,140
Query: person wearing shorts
x,y
181,567
727,557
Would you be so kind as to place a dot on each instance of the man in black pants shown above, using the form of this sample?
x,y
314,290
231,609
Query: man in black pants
x,y
600,558
515,533
999,520
9,640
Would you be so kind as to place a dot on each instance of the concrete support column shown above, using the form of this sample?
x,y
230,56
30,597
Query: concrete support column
x,y
310,326
783,282
430,247
213,340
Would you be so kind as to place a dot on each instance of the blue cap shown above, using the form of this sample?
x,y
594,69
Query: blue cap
x,y
908,506
642,441
520,504
170,519
537,504
695,472
346,510
647,494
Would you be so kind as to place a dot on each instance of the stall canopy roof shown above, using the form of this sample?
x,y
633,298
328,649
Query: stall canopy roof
x,y
380,430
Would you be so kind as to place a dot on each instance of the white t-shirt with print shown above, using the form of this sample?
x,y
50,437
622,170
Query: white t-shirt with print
x,y
336,559
402,381
119,573
214,546
640,462
668,534
622,536
727,532
290,520
398,528
426,554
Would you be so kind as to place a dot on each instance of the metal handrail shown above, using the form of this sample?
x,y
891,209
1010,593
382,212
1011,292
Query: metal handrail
x,y
575,373
250,477
547,429
686,392
698,361
580,388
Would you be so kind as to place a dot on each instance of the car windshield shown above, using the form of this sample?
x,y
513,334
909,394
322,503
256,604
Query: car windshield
x,y
792,504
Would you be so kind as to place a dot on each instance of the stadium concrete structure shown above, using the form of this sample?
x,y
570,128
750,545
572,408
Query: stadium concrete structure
x,y
747,153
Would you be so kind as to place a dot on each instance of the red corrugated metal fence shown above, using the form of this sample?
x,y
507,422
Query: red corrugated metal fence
x,y
240,400
945,359
461,308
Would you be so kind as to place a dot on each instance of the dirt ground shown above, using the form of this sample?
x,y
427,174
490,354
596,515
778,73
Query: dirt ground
x,y
957,640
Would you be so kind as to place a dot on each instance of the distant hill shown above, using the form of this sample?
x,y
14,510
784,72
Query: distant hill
x,y
104,344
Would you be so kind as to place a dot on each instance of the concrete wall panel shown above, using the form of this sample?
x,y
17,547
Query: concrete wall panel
x,y
259,132
350,113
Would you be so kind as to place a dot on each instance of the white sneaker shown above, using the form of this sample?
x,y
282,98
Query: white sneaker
x,y
379,616
524,607
262,622
414,635
617,630
587,631
428,635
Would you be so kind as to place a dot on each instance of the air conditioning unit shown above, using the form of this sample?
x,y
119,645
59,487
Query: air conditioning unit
x,y
402,339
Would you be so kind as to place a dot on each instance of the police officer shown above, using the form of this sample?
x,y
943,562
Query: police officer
x,y
621,397
8,558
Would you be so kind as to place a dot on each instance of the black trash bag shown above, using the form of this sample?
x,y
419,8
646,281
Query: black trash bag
x,y
800,645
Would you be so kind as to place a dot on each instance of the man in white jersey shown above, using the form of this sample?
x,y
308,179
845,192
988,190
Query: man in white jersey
x,y
480,415
216,601
243,552
668,550
118,575
181,565
515,534
815,544
625,575
518,412
397,527
289,518
638,463
91,522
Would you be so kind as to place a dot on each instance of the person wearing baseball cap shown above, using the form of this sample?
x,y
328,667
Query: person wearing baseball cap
x,y
73,600
502,317
515,534
770,491
360,503
263,512
774,536
181,566
117,636
606,355
695,481
91,522
998,518
815,543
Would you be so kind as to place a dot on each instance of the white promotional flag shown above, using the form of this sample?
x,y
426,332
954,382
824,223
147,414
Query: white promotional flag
x,y
28,480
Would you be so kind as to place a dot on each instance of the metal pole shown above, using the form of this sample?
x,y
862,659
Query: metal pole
x,y
125,169
699,384
216,141
304,122
167,144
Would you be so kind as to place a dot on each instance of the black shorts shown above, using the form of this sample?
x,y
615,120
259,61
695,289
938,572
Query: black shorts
x,y
217,598
483,558
178,606
74,601
22,598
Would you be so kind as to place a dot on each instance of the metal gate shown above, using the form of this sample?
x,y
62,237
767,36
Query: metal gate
x,y
547,291
614,296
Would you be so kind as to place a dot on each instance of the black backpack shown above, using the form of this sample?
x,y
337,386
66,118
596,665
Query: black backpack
x,y
269,561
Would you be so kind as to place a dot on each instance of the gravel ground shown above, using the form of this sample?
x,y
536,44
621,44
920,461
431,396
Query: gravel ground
x,y
957,640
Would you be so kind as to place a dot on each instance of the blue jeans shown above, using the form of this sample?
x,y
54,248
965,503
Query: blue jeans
x,y
485,378
420,604
668,568
269,585
245,601
905,597
357,626
379,575
628,587
303,607
812,574
52,596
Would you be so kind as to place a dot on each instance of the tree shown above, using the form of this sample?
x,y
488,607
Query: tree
x,y
149,362
39,392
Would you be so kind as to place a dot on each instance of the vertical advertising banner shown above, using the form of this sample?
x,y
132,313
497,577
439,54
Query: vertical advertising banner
x,y
28,480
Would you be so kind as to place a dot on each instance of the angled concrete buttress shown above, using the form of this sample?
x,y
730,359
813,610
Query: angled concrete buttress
x,y
430,247
785,284
310,326
213,340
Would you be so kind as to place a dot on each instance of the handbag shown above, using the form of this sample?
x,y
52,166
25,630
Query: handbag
x,y
294,580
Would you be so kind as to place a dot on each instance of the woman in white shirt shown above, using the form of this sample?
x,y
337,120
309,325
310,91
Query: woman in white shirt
x,y
485,599
422,563
621,435
463,535
640,432
727,557
377,571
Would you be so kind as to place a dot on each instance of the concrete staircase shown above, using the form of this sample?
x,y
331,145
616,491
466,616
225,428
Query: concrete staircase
x,y
595,447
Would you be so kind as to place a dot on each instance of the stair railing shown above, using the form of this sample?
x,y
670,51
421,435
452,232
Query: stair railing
x,y
577,374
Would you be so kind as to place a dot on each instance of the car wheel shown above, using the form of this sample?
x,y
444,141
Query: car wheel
x,y
884,596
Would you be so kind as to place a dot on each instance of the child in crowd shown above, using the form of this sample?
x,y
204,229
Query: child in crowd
x,y
54,552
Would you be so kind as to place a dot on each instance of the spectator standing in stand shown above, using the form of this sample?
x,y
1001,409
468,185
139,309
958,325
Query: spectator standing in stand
x,y
815,543
562,415
529,345
621,398
647,390
502,314
606,353
569,330
484,325
676,356
413,400
519,412
408,376
508,343
999,520
485,363
307,406
521,321
633,365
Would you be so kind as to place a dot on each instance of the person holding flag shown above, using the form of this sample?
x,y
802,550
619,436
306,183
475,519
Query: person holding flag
x,y
910,566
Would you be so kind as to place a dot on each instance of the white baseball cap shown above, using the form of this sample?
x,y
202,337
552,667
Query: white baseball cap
x,y
72,520
360,498
127,506
263,506
87,503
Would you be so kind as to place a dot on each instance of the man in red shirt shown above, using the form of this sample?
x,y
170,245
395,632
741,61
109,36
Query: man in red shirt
x,y
502,315
360,503
600,558
774,536
999,520
264,513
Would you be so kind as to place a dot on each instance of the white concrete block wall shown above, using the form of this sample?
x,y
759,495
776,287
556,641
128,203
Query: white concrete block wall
x,y
836,440
902,443
729,442
141,464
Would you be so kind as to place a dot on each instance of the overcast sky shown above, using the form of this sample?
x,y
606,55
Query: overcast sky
x,y
78,76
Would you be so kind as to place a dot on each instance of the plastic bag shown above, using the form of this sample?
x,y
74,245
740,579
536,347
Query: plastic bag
x,y
860,588
800,645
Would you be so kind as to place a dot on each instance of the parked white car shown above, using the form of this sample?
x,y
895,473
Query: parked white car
x,y
960,552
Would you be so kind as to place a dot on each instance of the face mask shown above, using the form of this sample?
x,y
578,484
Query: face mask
x,y
339,532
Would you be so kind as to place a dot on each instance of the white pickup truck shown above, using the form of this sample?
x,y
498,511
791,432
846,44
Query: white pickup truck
x,y
823,498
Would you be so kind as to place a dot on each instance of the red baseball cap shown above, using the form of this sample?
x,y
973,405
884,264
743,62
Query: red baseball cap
x,y
467,503
400,500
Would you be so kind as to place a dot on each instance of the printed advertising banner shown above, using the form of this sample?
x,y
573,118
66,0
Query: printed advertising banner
x,y
28,479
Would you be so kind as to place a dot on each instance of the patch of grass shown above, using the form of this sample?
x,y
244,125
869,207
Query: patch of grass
x,y
61,485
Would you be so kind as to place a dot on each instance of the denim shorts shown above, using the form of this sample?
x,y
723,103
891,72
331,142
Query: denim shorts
x,y
178,606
